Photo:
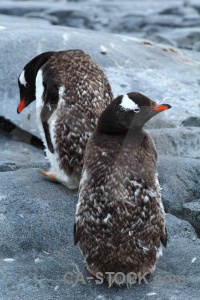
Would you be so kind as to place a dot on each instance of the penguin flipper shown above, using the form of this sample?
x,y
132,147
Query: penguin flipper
x,y
163,238
76,234
48,137
50,98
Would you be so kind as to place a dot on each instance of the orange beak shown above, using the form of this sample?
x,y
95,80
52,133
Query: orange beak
x,y
21,106
161,107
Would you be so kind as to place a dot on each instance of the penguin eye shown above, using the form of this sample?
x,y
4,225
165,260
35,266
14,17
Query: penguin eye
x,y
137,110
26,85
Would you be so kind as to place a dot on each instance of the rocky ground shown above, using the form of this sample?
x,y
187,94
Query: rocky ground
x,y
37,216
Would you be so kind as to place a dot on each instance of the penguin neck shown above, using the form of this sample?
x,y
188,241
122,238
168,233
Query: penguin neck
x,y
34,65
117,129
135,136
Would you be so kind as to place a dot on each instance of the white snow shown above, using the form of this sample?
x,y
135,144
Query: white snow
x,y
8,259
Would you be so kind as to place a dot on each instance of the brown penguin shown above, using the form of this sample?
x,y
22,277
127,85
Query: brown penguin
x,y
71,91
120,219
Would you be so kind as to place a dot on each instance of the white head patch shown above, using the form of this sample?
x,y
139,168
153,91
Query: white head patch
x,y
129,104
22,79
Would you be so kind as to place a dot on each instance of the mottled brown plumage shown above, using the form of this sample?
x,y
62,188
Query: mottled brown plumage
x,y
120,220
71,91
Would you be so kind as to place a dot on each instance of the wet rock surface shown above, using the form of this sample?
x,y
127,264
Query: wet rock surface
x,y
36,215
17,154
191,212
177,142
156,73
179,179
37,248
155,20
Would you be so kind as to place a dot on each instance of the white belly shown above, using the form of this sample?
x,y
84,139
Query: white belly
x,y
71,181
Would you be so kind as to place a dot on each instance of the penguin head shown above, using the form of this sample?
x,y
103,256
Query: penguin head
x,y
132,110
26,85
26,80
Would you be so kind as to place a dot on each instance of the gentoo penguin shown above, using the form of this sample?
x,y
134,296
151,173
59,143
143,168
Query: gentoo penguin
x,y
120,219
71,91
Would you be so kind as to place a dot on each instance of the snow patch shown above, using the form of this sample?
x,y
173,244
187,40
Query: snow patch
x,y
8,259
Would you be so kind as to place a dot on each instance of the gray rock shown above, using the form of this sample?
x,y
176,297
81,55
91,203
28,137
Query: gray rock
x,y
34,214
37,250
14,153
192,55
179,142
73,18
19,149
196,46
191,21
41,15
125,71
179,180
140,7
184,37
107,15
130,23
180,11
18,21
177,228
192,121
191,212
194,3
164,20
158,37
20,8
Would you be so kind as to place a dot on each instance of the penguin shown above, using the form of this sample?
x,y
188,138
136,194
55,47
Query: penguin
x,y
71,91
120,218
